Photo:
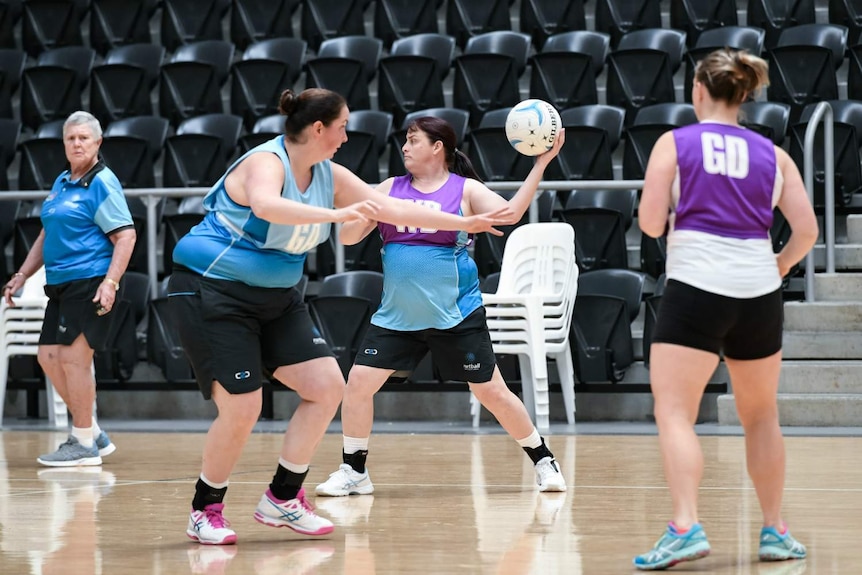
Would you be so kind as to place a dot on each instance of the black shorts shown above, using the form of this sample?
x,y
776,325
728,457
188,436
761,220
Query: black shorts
x,y
71,312
462,353
742,328
231,332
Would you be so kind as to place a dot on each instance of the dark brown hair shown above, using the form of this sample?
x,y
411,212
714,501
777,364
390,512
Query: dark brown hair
x,y
307,107
440,130
732,75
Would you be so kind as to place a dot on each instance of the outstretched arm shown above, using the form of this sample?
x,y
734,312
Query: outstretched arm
x,y
355,231
480,199
350,189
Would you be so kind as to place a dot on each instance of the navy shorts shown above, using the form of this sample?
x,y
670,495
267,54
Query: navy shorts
x,y
462,353
741,328
231,332
71,312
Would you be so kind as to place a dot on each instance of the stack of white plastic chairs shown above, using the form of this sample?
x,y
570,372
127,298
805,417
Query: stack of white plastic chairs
x,y
531,313
20,327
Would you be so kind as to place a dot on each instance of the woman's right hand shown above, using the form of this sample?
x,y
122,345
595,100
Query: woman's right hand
x,y
12,286
364,211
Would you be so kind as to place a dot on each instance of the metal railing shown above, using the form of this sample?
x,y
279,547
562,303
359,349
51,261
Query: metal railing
x,y
152,196
822,111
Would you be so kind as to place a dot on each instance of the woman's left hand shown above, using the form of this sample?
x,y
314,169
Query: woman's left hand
x,y
555,149
105,298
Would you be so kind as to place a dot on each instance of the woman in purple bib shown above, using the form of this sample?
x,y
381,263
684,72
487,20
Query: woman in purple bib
x,y
431,302
713,186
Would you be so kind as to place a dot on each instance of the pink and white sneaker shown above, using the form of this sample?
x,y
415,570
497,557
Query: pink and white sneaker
x,y
209,527
298,514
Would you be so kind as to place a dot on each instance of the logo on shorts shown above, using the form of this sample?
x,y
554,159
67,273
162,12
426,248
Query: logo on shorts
x,y
240,375
62,328
370,351
318,341
471,363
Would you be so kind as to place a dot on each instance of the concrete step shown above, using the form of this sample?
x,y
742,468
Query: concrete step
x,y
848,256
823,316
838,287
854,228
836,345
804,409
821,377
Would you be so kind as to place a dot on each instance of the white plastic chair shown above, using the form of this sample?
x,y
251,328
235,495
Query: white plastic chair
x,y
531,313
20,327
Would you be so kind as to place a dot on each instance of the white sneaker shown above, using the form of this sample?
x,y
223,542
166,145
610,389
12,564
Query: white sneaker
x,y
296,514
548,475
346,481
209,527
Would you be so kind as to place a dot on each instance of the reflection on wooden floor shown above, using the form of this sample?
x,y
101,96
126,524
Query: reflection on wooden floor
x,y
444,504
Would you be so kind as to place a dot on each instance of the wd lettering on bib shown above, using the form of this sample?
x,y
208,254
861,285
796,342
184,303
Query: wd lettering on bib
x,y
428,204
724,155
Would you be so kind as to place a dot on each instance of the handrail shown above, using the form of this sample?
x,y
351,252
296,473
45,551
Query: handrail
x,y
151,197
822,111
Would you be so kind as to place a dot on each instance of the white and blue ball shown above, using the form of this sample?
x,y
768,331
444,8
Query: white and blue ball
x,y
532,126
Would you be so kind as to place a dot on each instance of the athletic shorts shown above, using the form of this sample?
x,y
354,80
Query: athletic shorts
x,y
71,312
741,328
462,353
231,332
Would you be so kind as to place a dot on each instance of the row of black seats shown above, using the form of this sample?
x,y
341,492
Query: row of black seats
x,y
196,154
46,24
639,72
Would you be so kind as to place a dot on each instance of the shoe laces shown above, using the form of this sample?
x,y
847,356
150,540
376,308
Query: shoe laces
x,y
215,518
304,503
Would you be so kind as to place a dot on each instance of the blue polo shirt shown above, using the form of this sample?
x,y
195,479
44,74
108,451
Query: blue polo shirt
x,y
78,216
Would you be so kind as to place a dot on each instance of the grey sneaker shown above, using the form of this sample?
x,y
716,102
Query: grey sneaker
x,y
105,445
71,453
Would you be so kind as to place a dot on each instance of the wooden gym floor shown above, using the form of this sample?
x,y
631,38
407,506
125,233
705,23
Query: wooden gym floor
x,y
444,504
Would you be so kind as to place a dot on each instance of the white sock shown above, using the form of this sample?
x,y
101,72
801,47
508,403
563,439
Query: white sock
x,y
84,435
97,431
354,444
213,484
293,467
532,441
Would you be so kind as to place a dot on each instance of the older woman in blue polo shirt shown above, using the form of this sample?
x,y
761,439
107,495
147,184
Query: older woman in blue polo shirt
x,y
85,245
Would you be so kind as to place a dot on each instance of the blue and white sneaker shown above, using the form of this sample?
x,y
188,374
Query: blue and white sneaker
x,y
673,548
71,453
345,481
777,547
105,445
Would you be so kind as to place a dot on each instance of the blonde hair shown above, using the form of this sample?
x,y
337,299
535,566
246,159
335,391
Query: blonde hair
x,y
732,75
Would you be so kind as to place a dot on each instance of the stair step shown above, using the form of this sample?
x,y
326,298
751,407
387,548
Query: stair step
x,y
838,287
820,316
835,345
804,409
821,377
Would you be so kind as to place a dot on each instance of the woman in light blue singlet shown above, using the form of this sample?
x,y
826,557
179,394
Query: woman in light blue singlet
x,y
713,187
431,302
240,318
